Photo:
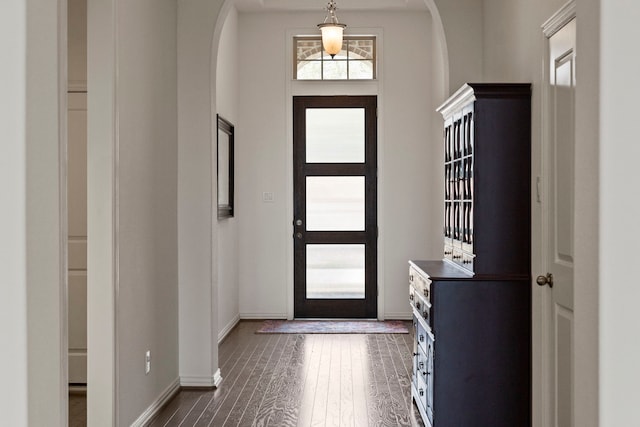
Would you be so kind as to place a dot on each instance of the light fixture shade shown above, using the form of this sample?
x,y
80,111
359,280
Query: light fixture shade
x,y
332,37
331,30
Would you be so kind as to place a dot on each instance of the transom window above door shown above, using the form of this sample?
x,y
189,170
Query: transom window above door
x,y
356,61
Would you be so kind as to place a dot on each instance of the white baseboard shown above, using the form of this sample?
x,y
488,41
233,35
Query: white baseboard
x,y
201,381
217,378
398,316
155,407
265,316
270,316
225,331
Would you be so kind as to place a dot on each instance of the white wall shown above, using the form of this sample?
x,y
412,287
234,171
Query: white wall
x,y
13,227
198,319
619,213
587,246
463,22
45,196
412,150
410,226
132,144
147,318
32,319
227,107
260,165
101,278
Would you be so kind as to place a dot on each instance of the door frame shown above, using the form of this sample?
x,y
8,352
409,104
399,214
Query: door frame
x,y
313,88
346,308
542,368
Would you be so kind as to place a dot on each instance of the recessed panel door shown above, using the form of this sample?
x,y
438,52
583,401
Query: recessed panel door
x,y
77,237
558,223
335,198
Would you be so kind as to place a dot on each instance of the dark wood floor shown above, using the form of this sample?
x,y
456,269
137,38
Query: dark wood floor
x,y
303,380
77,409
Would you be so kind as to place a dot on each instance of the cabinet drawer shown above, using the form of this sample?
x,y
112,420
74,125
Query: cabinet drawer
x,y
421,365
448,251
457,256
421,337
421,388
421,284
467,261
412,296
421,305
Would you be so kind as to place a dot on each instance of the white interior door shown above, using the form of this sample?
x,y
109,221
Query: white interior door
x,y
77,208
558,202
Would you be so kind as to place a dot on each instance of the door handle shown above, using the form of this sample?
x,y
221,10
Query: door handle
x,y
545,280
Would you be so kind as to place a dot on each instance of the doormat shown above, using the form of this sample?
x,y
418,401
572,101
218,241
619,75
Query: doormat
x,y
334,327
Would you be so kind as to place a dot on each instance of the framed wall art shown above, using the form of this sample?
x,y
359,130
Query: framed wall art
x,y
225,142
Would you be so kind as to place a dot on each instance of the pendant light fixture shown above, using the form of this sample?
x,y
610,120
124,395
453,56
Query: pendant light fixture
x,y
331,31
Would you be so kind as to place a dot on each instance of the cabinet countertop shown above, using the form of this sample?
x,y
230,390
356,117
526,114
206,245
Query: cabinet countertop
x,y
443,270
440,270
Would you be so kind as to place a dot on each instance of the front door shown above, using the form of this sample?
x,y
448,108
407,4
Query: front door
x,y
335,206
558,211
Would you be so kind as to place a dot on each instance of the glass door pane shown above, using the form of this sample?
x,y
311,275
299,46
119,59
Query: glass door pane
x,y
335,203
335,271
335,135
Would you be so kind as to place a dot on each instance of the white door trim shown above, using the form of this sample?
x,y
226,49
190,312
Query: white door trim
x,y
63,208
559,20
102,211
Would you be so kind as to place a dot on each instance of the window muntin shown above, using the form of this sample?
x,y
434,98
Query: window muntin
x,y
356,61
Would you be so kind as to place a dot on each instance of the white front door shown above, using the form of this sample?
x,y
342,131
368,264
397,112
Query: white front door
x,y
558,220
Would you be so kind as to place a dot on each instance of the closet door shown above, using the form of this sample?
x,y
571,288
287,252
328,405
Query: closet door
x,y
558,222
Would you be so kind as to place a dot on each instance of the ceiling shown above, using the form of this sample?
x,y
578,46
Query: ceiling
x,y
319,5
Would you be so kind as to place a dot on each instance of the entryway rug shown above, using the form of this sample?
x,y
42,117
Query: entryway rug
x,y
334,327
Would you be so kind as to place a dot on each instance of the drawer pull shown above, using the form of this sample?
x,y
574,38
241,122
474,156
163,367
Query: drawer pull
x,y
411,297
426,292
421,338
421,391
420,365
418,305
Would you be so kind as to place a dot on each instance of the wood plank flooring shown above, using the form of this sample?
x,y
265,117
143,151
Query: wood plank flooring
x,y
77,410
303,380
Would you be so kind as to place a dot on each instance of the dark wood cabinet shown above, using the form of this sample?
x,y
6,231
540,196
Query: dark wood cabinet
x,y
472,309
487,207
